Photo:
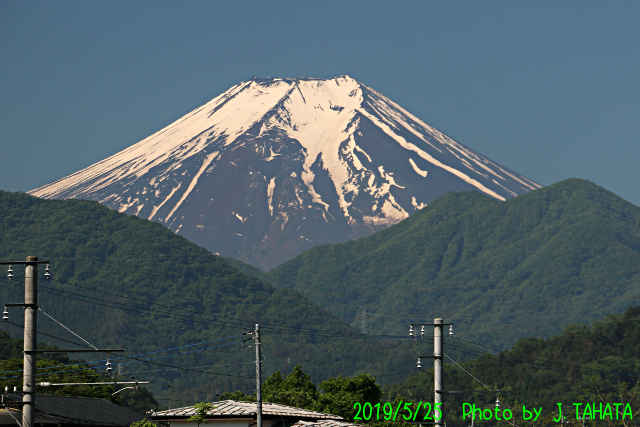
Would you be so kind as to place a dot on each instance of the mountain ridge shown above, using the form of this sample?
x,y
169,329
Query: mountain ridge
x,y
476,260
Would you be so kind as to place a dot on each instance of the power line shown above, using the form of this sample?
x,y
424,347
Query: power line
x,y
78,336
190,389
155,363
288,328
536,364
50,336
585,298
317,332
145,354
458,365
144,361
205,366
92,368
185,310
231,321
189,369
479,285
475,353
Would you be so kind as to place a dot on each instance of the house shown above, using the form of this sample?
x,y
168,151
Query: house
x,y
231,413
67,411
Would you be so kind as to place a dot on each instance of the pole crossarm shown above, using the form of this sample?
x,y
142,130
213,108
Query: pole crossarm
x,y
77,351
17,304
473,391
23,262
48,384
430,324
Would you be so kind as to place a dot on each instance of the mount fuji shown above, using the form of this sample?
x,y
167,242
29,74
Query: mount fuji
x,y
273,167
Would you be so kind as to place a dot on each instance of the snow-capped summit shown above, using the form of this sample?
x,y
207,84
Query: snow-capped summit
x,y
275,166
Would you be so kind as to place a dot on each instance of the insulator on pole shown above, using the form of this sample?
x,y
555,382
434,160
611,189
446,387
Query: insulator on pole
x,y
419,365
497,402
5,314
10,273
410,330
450,331
47,272
422,331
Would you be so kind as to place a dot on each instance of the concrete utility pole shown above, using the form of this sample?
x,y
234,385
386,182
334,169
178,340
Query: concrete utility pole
x,y
437,370
437,357
30,306
30,320
258,378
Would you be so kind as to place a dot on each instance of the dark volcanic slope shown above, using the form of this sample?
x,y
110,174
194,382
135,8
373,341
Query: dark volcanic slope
x,y
526,266
273,167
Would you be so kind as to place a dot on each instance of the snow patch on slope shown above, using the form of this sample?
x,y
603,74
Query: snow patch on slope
x,y
408,146
417,169
156,208
417,205
270,188
205,164
321,129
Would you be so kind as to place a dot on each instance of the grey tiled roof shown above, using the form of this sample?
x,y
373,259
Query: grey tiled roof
x,y
326,423
54,410
232,408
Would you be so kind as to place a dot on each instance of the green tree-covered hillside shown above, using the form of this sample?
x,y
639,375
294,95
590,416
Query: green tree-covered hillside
x,y
57,368
124,282
563,254
582,364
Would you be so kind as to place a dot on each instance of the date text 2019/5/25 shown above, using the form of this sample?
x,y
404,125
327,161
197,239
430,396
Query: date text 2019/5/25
x,y
367,411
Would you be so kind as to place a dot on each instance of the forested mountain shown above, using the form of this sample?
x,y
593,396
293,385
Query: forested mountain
x,y
530,265
124,282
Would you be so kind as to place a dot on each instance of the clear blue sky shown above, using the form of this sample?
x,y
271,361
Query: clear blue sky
x,y
550,89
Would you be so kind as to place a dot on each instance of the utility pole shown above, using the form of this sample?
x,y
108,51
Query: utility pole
x,y
437,357
258,378
30,320
437,370
30,327
30,335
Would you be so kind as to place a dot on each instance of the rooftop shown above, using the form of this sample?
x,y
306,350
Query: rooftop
x,y
56,410
232,408
326,423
